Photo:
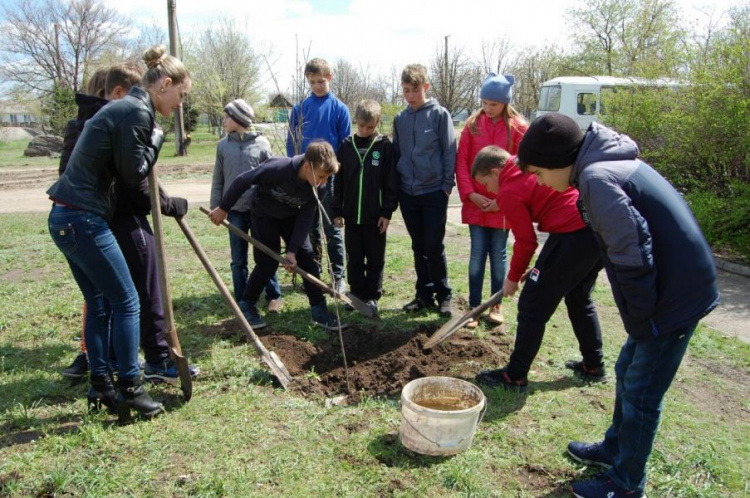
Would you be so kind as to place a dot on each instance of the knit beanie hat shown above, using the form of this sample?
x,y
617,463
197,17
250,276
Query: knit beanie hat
x,y
552,142
240,111
497,88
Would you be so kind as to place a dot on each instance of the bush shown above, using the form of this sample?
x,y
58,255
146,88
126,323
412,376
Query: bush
x,y
724,218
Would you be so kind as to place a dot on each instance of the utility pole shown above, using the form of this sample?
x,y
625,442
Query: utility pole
x,y
446,72
179,127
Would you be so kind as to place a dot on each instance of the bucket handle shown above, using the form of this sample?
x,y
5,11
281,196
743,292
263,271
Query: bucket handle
x,y
450,444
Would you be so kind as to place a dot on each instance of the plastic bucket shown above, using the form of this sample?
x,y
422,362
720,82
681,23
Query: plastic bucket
x,y
439,415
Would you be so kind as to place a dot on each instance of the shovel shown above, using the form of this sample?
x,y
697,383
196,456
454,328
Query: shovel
x,y
175,350
269,357
347,298
454,324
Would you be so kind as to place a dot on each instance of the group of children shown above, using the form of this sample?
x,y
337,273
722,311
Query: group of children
x,y
601,205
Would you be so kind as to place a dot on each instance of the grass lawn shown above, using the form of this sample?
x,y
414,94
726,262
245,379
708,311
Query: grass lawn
x,y
240,436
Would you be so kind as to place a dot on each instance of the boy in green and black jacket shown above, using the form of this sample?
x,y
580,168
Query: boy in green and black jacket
x,y
365,194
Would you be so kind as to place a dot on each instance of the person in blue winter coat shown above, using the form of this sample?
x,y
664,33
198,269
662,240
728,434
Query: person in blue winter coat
x,y
662,274
425,147
322,116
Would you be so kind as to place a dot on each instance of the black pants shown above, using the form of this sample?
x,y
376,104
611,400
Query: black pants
x,y
269,231
566,269
425,217
136,240
365,246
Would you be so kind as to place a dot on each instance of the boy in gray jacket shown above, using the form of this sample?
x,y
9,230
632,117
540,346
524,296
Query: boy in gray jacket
x,y
425,147
662,274
239,151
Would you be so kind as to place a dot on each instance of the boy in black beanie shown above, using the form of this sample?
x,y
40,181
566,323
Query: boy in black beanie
x,y
662,275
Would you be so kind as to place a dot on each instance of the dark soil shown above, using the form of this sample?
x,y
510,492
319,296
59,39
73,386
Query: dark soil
x,y
381,362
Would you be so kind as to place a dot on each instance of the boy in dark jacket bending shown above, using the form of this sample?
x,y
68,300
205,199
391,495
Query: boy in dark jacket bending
x,y
365,197
662,274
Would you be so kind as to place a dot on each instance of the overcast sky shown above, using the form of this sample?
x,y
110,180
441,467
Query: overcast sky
x,y
380,33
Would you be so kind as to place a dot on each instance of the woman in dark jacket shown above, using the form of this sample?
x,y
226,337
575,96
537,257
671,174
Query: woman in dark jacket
x,y
119,145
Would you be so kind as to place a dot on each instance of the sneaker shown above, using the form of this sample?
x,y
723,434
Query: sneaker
x,y
373,305
500,378
324,318
340,286
418,304
589,374
603,487
472,324
588,454
275,305
78,368
252,315
446,308
165,371
496,315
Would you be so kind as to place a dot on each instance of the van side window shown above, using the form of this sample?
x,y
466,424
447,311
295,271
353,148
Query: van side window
x,y
586,104
549,98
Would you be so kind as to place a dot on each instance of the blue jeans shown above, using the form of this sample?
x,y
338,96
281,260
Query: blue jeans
x,y
238,247
102,274
644,373
486,241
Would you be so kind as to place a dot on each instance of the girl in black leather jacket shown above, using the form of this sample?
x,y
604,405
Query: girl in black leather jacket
x,y
119,145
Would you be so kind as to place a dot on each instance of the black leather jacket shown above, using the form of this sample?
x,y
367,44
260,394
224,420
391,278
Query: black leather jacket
x,y
115,146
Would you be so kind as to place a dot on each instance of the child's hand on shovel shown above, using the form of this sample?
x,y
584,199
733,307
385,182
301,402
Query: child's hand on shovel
x,y
291,263
217,215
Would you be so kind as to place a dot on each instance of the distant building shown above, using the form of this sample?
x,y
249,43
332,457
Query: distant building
x,y
280,107
13,113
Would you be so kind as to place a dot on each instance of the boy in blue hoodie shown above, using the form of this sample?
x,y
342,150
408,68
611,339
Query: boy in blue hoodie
x,y
425,147
662,275
321,116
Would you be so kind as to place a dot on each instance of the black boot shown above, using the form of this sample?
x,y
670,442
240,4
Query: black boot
x,y
133,395
102,392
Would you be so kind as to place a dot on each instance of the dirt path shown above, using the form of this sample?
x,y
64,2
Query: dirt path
x,y
23,190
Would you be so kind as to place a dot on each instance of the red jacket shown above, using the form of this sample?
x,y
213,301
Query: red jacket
x,y
525,202
468,147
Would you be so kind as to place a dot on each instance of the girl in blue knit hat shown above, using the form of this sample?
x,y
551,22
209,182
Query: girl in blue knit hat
x,y
495,123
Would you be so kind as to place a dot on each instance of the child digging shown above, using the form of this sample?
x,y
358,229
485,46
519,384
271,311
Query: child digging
x,y
283,206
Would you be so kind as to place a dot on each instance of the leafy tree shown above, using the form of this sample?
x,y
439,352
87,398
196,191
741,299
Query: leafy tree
x,y
59,106
224,67
627,37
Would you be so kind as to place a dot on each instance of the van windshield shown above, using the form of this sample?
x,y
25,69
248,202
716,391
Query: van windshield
x,y
549,98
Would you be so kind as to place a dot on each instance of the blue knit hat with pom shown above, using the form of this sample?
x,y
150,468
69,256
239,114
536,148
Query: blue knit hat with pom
x,y
498,88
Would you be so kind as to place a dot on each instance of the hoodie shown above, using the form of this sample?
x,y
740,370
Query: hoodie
x,y
88,105
425,146
325,118
661,268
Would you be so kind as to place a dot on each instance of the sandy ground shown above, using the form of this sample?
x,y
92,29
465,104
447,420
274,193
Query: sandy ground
x,y
24,191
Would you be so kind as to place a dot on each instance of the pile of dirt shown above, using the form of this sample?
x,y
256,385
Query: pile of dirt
x,y
381,363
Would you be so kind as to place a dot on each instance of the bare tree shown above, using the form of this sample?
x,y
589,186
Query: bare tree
x,y
226,68
532,67
347,83
50,43
455,80
496,55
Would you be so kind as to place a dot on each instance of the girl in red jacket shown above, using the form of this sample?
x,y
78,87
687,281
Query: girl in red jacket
x,y
566,268
496,123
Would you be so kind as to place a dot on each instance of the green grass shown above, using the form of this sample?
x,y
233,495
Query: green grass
x,y
240,436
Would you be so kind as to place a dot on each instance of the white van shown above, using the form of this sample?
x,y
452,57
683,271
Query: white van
x,y
580,97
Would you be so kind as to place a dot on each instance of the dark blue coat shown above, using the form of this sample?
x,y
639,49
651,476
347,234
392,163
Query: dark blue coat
x,y
661,268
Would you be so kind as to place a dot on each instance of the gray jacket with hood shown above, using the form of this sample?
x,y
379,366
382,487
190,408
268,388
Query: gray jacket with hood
x,y
235,154
661,268
425,146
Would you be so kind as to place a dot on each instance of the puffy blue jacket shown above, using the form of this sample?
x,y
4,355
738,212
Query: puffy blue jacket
x,y
661,268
